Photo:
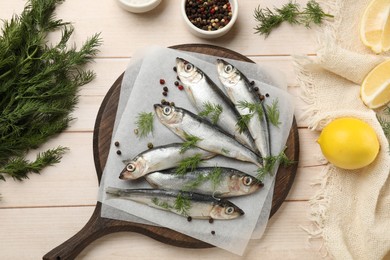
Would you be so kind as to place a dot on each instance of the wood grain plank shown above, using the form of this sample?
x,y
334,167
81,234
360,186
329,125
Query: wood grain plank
x,y
124,33
283,239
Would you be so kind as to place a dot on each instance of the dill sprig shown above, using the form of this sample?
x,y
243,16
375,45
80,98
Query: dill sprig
x,y
270,162
188,164
144,123
211,111
215,176
18,167
385,123
190,142
273,113
253,108
39,85
291,13
243,121
162,204
182,204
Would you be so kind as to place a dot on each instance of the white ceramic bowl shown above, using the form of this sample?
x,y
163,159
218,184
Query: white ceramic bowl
x,y
210,34
138,6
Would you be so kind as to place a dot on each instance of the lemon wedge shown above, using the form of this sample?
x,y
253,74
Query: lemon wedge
x,y
349,143
375,89
375,26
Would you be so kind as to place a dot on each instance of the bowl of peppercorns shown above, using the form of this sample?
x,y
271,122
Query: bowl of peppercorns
x,y
209,18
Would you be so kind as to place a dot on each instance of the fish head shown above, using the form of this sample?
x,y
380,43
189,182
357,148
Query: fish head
x,y
224,209
168,115
227,73
134,169
243,184
188,73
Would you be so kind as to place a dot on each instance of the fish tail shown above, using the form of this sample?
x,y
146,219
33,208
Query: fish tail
x,y
115,192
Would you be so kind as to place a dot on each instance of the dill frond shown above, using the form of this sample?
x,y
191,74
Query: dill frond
x,y
144,123
291,13
212,111
270,162
182,204
188,164
190,142
273,113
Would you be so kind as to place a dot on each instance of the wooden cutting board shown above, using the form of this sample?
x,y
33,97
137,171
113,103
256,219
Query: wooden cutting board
x,y
98,226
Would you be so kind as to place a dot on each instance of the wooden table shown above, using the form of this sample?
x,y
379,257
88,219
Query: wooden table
x,y
40,213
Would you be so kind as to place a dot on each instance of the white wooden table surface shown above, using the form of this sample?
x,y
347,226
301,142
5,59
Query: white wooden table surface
x,y
40,213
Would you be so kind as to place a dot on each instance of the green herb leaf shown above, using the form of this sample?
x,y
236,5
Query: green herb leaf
x,y
144,123
182,204
38,85
215,176
190,142
290,13
243,121
213,111
188,164
270,162
273,113
162,204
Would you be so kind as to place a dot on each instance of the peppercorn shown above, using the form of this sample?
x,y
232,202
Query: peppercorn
x,y
172,104
256,89
165,94
267,95
118,152
162,81
150,145
116,143
163,101
174,69
208,14
165,89
189,219
180,87
176,83
211,220
213,232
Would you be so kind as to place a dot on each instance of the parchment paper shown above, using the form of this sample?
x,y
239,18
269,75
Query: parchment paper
x,y
232,235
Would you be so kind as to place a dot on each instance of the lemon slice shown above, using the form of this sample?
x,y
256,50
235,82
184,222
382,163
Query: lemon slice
x,y
375,89
375,26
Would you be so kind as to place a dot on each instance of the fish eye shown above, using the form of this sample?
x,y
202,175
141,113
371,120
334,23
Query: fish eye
x,y
188,67
229,210
167,110
247,180
228,68
130,167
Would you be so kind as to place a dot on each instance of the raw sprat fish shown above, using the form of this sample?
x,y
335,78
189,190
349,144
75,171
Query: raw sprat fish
x,y
159,158
239,90
210,137
217,181
202,91
187,204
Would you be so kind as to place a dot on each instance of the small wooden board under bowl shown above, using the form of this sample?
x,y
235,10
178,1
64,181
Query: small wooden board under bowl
x,y
98,226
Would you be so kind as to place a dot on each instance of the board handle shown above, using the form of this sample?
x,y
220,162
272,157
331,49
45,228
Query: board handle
x,y
96,227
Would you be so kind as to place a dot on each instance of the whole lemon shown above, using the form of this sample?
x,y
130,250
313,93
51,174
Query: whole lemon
x,y
349,143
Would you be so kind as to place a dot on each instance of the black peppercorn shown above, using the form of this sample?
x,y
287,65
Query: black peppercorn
x,y
213,232
165,89
150,145
177,83
211,220
256,89
165,94
189,219
116,143
118,152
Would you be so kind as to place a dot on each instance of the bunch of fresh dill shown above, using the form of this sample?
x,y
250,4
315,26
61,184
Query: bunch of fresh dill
x,y
38,86
291,12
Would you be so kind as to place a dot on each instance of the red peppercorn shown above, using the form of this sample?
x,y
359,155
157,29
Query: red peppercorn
x,y
162,81
180,87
